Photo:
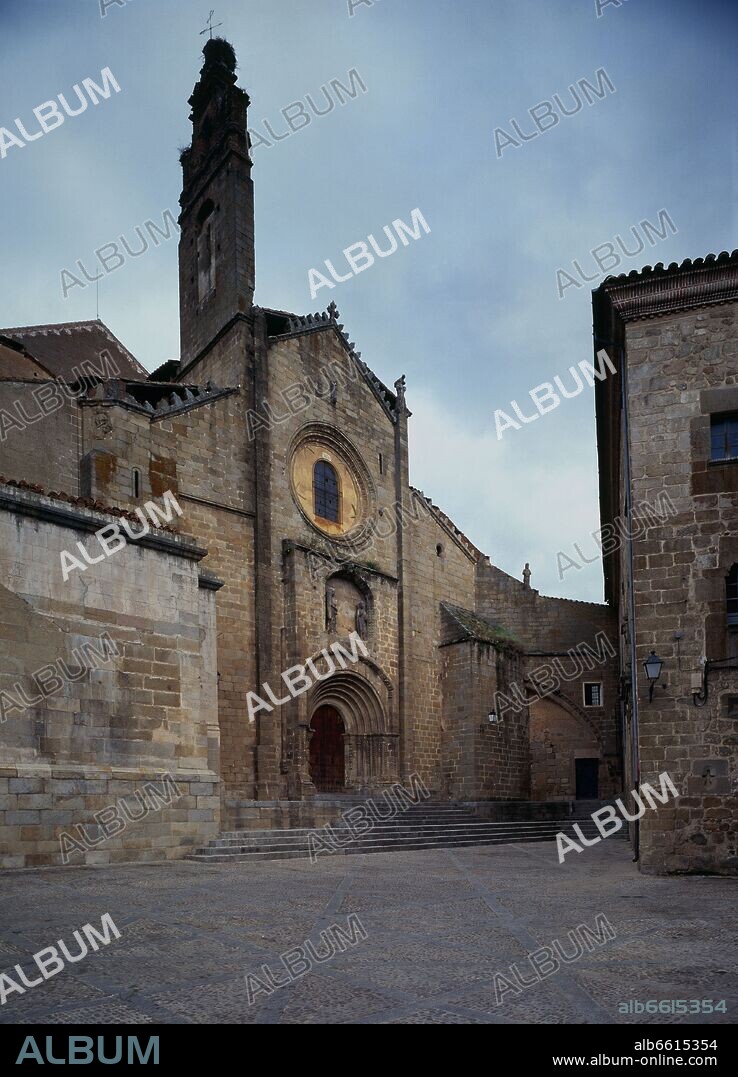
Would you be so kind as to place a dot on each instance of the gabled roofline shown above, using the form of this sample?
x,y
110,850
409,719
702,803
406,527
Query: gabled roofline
x,y
450,527
311,323
475,627
58,328
17,346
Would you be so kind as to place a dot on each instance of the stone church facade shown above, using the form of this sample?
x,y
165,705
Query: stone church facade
x,y
297,528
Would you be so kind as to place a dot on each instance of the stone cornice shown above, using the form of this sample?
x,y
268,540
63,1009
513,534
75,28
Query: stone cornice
x,y
659,290
209,582
38,507
289,545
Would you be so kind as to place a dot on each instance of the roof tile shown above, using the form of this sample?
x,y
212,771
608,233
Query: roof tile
x,y
64,347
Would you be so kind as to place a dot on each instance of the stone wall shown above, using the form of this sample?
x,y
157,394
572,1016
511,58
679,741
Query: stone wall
x,y
568,644
503,748
440,569
46,451
482,760
199,454
213,465
107,683
569,726
540,623
681,368
558,738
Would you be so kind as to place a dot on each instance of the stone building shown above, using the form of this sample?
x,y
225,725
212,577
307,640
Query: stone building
x,y
298,528
668,449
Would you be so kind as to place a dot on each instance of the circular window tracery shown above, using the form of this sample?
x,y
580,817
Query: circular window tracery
x,y
330,483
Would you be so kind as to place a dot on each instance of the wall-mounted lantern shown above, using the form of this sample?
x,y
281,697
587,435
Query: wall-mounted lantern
x,y
652,666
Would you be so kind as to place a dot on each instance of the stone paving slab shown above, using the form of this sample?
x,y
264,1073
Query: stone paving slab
x,y
440,924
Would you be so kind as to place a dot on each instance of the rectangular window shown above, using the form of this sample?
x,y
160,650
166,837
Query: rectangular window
x,y
381,464
593,695
732,598
724,437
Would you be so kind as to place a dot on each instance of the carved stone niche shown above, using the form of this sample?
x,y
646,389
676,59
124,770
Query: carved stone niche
x,y
347,606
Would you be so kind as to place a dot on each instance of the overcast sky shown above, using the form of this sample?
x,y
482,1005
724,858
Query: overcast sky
x,y
471,312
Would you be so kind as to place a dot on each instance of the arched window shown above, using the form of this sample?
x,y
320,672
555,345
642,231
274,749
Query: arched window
x,y
732,598
326,495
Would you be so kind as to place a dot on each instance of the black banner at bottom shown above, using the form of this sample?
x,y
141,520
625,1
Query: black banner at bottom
x,y
550,1047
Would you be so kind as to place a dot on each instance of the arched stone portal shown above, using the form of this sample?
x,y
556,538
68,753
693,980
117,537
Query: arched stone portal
x,y
327,750
369,746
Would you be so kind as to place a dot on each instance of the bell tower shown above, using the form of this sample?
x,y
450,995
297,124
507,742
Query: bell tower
x,y
216,246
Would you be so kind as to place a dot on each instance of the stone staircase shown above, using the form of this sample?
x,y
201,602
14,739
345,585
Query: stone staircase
x,y
422,826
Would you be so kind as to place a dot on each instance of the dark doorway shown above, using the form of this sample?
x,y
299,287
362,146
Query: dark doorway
x,y
587,778
327,767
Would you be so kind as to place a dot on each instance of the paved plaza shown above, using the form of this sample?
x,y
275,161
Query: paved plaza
x,y
439,925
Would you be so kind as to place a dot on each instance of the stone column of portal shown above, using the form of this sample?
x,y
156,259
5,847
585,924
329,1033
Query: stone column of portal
x,y
392,753
386,765
351,762
296,733
302,787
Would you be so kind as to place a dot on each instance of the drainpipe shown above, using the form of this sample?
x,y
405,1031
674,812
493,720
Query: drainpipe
x,y
635,762
624,405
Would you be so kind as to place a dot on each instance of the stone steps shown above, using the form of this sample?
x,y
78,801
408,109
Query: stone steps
x,y
416,828
407,830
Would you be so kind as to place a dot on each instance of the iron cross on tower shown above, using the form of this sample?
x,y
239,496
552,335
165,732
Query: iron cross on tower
x,y
209,26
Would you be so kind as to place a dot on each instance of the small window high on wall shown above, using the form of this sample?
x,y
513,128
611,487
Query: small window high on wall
x,y
724,436
593,694
732,598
